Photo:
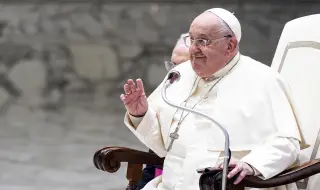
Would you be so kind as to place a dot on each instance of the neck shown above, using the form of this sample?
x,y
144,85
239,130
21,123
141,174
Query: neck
x,y
224,69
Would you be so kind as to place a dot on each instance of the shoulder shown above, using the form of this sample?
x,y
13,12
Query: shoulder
x,y
259,76
185,69
258,71
183,66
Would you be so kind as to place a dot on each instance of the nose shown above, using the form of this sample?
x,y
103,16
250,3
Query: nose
x,y
194,49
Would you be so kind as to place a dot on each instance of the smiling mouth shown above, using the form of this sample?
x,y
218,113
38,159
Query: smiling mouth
x,y
198,57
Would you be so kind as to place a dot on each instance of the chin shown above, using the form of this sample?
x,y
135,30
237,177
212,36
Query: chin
x,y
199,73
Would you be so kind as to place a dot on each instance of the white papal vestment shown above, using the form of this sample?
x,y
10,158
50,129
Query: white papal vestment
x,y
251,102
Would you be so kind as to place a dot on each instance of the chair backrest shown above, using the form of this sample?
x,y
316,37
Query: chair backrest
x,y
297,58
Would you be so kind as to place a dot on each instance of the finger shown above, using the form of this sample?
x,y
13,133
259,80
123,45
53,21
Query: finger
x,y
132,86
221,165
242,175
235,170
126,89
231,163
140,85
123,98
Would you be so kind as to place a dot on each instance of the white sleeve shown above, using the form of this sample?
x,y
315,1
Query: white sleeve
x,y
148,131
273,156
135,120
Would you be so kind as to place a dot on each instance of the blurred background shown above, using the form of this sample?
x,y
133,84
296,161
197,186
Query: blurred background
x,y
63,65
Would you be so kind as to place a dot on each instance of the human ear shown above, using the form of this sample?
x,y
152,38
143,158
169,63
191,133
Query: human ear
x,y
232,46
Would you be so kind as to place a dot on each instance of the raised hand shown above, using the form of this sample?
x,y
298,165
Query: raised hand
x,y
134,98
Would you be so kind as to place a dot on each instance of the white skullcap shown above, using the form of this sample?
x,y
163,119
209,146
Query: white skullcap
x,y
228,18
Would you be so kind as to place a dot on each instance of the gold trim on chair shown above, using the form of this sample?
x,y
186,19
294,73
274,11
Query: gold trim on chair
x,y
297,44
300,44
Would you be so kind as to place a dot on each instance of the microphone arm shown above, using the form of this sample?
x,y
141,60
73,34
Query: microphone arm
x,y
174,76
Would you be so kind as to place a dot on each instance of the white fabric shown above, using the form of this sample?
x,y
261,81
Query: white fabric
x,y
230,19
250,102
299,48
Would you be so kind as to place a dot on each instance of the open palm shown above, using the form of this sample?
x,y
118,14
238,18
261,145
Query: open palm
x,y
134,98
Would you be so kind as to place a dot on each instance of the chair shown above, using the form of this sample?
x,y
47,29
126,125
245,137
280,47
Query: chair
x,y
297,58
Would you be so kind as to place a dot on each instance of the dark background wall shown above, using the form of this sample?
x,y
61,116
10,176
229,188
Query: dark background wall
x,y
87,50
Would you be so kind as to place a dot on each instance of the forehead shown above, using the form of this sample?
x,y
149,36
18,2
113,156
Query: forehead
x,y
206,24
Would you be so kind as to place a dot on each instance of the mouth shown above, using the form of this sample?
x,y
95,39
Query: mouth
x,y
197,58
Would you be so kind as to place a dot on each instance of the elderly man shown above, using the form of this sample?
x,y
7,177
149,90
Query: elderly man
x,y
245,96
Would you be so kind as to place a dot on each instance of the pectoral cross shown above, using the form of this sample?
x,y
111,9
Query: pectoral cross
x,y
173,137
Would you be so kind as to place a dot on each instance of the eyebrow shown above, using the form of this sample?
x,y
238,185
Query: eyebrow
x,y
200,35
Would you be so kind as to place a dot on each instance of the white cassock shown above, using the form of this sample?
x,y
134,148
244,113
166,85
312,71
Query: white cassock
x,y
251,102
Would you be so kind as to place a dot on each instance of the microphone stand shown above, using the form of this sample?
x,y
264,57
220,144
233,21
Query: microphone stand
x,y
174,76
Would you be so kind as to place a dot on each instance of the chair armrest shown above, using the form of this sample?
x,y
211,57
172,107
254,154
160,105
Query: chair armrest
x,y
295,174
109,158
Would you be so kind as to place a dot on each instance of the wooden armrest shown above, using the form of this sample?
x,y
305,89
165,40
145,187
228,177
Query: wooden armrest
x,y
295,174
109,158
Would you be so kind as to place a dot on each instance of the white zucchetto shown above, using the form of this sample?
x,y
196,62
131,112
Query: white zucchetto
x,y
228,18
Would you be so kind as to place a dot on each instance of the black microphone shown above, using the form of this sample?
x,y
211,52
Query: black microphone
x,y
173,76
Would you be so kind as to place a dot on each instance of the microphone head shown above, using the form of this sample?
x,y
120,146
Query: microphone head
x,y
173,76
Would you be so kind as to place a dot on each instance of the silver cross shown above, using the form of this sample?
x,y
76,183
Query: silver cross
x,y
173,137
